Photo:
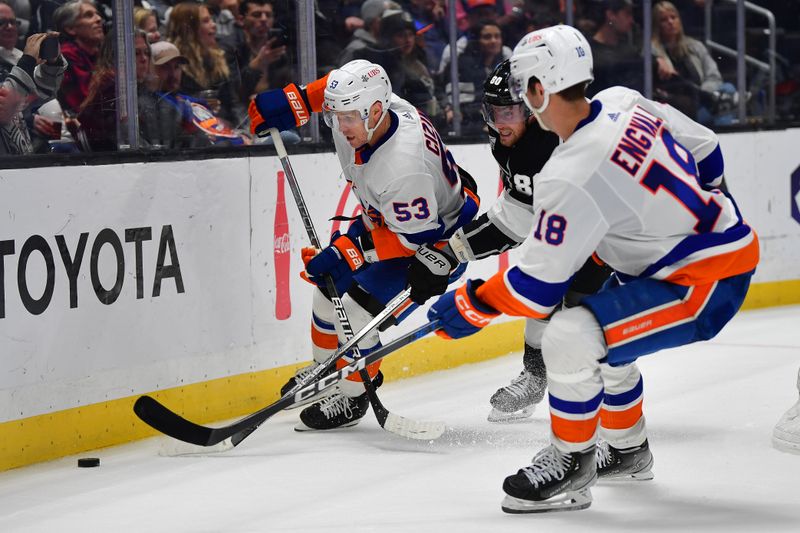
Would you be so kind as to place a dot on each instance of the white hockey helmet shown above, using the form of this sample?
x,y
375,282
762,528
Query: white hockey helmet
x,y
355,87
558,56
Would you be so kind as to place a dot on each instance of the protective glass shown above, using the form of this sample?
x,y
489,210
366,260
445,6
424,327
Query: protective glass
x,y
496,115
341,119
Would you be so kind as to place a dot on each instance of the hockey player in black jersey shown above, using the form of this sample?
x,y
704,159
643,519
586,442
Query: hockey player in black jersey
x,y
521,148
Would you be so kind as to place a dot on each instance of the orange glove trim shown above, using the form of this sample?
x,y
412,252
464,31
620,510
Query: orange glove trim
x,y
315,92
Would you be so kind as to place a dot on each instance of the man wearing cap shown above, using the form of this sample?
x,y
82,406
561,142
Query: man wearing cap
x,y
366,37
616,60
163,113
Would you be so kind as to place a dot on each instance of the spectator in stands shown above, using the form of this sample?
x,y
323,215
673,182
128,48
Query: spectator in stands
x,y
616,60
367,37
224,19
463,8
98,113
165,116
687,75
259,60
431,22
80,28
30,80
206,74
40,127
146,20
477,11
22,10
9,34
404,62
476,62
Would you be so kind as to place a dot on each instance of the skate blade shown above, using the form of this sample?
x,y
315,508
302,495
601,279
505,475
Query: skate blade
x,y
499,416
301,427
569,501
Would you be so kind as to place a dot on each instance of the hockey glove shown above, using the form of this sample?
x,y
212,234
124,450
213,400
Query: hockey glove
x,y
277,108
460,313
429,272
340,260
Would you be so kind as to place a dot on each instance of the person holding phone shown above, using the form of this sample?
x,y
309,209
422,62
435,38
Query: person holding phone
x,y
35,77
260,57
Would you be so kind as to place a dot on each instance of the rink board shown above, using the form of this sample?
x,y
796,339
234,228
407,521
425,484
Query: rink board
x,y
129,279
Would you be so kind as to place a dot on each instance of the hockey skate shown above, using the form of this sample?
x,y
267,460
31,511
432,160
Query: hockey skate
x,y
336,411
299,375
556,481
621,464
786,435
517,400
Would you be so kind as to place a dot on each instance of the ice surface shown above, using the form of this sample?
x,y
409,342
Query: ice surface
x,y
710,410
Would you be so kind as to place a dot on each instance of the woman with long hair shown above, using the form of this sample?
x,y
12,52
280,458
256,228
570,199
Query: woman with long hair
x,y
483,52
687,76
206,74
98,113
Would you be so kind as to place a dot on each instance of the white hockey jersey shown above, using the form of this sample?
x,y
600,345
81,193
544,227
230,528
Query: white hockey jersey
x,y
408,184
626,185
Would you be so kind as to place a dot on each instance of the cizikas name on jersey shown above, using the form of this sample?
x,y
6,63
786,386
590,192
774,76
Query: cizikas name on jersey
x,y
74,261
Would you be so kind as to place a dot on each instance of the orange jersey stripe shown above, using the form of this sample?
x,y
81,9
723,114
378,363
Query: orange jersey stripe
x,y
388,245
326,341
372,370
495,293
718,267
574,430
646,323
315,92
621,419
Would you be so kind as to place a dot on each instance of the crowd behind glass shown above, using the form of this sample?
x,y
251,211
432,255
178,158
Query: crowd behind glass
x,y
198,65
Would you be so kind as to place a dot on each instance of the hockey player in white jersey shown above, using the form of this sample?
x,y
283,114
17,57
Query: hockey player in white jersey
x,y
412,194
521,148
634,182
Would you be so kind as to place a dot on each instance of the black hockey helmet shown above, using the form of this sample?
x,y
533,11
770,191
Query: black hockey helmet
x,y
497,98
495,88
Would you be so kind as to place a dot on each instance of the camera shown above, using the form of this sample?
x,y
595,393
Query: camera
x,y
49,48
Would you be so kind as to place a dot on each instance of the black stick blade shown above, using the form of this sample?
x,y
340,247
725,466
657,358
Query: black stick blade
x,y
155,415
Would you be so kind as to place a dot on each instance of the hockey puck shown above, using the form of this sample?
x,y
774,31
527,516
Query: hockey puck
x,y
88,462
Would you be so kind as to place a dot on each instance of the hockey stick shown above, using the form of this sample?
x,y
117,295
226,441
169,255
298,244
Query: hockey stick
x,y
164,420
227,437
387,420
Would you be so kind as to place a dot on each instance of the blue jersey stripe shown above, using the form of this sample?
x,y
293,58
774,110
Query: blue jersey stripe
x,y
427,236
690,245
626,397
576,408
321,324
712,167
543,293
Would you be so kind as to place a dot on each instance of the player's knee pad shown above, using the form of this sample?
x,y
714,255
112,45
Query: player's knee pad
x,y
620,378
572,345
534,329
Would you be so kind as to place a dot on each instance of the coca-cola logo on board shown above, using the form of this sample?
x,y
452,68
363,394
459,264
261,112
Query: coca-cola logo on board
x,y
282,244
